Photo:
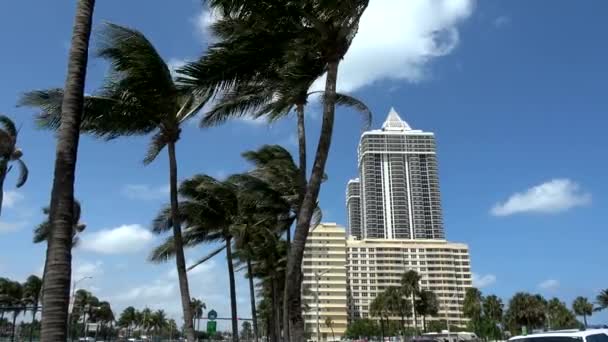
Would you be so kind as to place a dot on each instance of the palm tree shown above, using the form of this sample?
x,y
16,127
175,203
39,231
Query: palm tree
x,y
330,324
128,319
197,311
398,305
104,314
427,305
493,311
58,271
473,307
379,307
321,30
212,210
582,307
9,152
139,97
11,297
410,285
526,310
31,295
602,300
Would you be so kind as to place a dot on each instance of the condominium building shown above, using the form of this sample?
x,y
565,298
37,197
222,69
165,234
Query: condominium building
x,y
324,284
373,265
353,208
398,184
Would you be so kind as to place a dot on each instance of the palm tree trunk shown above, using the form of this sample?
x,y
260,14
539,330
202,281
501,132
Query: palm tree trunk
x,y
15,314
59,252
3,171
235,324
294,262
302,166
254,315
276,311
585,320
180,260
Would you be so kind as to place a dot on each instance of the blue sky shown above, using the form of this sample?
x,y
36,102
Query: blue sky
x,y
514,91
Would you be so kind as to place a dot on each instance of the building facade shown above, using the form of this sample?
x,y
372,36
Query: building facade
x,y
373,265
398,184
353,208
324,285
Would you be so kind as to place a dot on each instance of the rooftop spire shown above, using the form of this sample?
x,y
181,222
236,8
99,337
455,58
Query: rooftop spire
x,y
394,122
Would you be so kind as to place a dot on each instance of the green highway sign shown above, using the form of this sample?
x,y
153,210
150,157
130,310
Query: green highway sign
x,y
211,326
212,315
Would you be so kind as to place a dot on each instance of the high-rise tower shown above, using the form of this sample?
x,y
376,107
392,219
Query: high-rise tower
x,y
353,208
398,184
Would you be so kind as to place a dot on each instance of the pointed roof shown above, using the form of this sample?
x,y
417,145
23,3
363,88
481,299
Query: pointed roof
x,y
394,122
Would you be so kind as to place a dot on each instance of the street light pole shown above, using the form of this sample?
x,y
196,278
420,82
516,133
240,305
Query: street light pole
x,y
317,278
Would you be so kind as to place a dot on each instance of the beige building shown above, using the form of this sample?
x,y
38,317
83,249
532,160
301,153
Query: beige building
x,y
375,264
324,285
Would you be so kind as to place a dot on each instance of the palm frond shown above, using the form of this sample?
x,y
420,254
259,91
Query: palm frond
x,y
164,252
23,173
351,102
105,116
241,101
137,67
157,144
162,222
8,125
207,257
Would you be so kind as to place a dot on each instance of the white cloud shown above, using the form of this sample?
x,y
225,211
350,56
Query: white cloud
x,y
203,21
397,39
550,197
549,285
11,198
156,290
145,191
123,239
502,21
485,280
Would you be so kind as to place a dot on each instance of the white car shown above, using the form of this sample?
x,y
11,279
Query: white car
x,y
591,335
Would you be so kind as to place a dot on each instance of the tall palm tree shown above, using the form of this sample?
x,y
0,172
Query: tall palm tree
x,y
323,30
427,305
11,295
127,319
493,310
526,310
602,300
410,285
379,307
197,311
56,293
473,307
398,305
582,307
9,153
31,296
139,97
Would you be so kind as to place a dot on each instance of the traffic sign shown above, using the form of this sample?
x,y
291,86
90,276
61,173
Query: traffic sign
x,y
212,315
211,326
